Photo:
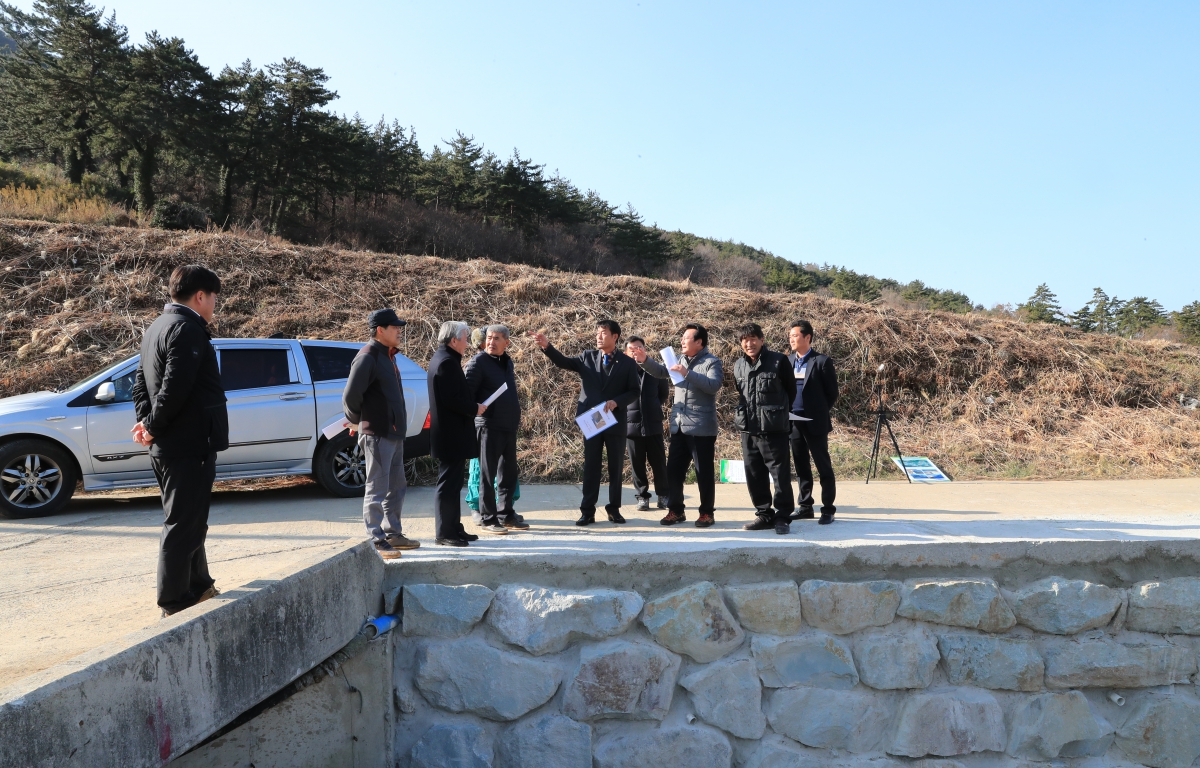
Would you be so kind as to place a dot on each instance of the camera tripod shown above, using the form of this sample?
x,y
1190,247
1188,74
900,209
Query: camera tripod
x,y
882,415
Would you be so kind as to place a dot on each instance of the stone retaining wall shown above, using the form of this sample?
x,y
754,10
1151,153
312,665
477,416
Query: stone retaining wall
x,y
936,672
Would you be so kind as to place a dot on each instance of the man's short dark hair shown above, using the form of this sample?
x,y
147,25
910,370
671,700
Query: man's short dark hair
x,y
610,325
750,329
188,279
635,340
701,333
804,326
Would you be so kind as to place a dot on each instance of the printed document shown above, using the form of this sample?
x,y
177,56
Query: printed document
x,y
669,359
335,429
497,393
594,421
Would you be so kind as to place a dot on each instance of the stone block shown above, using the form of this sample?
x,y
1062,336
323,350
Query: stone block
x,y
930,762
1044,724
855,721
453,746
948,723
1063,607
546,620
973,603
781,753
816,659
1168,607
728,694
548,741
1162,732
621,680
1102,662
991,662
437,610
694,621
843,607
772,609
897,660
468,675
666,747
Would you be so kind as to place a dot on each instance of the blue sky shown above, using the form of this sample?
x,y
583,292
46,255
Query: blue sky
x,y
984,147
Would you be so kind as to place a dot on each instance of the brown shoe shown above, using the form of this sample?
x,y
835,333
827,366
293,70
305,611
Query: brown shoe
x,y
705,521
386,551
398,541
673,519
208,594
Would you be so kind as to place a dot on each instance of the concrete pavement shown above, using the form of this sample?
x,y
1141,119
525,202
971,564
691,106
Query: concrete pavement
x,y
85,577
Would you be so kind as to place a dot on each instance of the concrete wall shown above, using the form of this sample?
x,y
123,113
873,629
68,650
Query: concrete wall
x,y
154,695
948,655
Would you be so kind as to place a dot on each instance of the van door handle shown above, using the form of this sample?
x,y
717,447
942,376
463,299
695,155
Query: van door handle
x,y
293,396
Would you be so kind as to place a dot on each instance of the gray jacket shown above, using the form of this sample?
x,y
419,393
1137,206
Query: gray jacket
x,y
694,411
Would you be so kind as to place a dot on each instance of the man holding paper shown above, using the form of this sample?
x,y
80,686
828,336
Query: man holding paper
x,y
609,383
491,372
693,418
816,393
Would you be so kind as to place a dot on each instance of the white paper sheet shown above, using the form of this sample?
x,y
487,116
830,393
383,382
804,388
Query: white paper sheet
x,y
595,420
794,417
497,393
335,429
669,359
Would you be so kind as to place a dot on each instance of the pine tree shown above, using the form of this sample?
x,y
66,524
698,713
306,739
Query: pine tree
x,y
1137,316
1042,307
1187,321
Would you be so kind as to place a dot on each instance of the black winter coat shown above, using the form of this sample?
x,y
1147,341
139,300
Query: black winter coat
x,y
620,384
766,388
485,374
374,395
645,414
177,393
451,408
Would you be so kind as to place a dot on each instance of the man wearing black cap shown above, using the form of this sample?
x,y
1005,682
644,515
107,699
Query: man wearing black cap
x,y
374,403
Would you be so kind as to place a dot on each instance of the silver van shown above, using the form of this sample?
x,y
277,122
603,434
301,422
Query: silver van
x,y
283,393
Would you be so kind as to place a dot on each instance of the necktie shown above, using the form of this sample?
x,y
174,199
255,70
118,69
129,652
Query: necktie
x,y
607,361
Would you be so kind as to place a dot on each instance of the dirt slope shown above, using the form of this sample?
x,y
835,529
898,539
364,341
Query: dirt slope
x,y
983,397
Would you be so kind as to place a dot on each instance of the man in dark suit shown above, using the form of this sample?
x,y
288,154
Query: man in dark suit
x,y
644,436
452,413
180,406
610,378
816,394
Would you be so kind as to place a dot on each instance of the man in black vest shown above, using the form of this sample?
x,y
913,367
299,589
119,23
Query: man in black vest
x,y
816,394
644,436
496,431
610,378
766,389
180,406
373,401
452,413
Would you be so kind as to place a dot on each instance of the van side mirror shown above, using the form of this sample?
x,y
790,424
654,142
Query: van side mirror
x,y
107,392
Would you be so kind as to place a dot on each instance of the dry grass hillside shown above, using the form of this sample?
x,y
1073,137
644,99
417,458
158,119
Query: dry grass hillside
x,y
985,398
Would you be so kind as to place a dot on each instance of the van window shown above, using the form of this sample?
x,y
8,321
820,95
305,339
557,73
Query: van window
x,y
254,368
329,363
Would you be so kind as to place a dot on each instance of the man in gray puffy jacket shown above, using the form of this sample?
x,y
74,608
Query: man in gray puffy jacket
x,y
693,421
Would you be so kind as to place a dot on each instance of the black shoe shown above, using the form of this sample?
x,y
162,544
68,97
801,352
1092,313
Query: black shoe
x,y
826,518
455,542
782,527
643,505
760,524
662,502
467,536
585,519
705,521
672,519
514,521
804,513
615,517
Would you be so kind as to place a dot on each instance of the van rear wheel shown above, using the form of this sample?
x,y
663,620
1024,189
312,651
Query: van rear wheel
x,y
37,478
341,467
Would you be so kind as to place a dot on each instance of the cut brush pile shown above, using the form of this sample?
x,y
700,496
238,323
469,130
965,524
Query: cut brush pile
x,y
983,397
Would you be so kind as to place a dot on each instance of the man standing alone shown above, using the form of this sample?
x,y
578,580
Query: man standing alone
x,y
816,394
452,413
180,405
374,403
766,389
644,437
610,378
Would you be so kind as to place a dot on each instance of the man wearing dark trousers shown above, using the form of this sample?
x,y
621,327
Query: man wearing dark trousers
x,y
373,401
644,436
180,406
693,421
496,431
610,378
766,389
816,394
452,413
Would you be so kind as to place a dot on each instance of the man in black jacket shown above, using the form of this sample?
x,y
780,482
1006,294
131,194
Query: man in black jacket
x,y
180,406
816,394
373,401
644,436
452,413
496,431
610,378
766,389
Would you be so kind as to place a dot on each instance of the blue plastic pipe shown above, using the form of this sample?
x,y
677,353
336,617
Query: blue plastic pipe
x,y
382,625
